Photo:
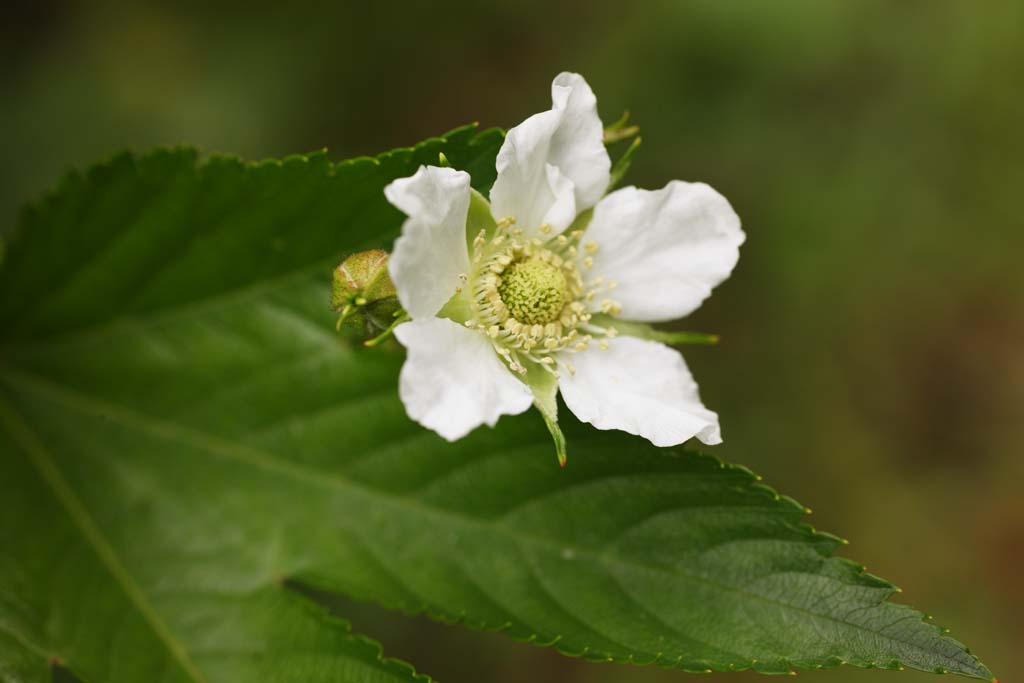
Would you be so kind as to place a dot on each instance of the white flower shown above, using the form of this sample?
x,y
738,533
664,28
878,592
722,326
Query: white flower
x,y
514,301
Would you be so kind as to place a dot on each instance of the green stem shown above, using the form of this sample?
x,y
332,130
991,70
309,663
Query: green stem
x,y
387,333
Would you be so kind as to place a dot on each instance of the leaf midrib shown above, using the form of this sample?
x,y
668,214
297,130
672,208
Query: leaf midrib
x,y
80,518
270,461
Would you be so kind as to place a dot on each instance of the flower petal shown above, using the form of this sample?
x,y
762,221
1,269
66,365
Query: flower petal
x,y
431,253
453,381
665,248
567,137
641,387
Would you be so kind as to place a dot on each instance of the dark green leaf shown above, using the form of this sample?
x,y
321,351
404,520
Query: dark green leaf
x,y
183,432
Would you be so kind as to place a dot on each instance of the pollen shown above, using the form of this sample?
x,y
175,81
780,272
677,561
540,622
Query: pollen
x,y
534,291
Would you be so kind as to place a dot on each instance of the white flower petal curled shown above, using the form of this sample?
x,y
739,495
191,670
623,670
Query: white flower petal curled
x,y
431,253
641,387
665,248
452,381
567,137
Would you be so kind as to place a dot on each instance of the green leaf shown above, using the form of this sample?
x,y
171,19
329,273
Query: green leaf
x,y
93,580
184,437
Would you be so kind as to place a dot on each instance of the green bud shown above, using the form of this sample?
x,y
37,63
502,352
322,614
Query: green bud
x,y
363,293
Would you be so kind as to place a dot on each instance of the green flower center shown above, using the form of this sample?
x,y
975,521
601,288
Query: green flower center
x,y
532,296
534,291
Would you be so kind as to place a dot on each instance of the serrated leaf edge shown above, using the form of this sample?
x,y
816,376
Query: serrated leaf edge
x,y
218,445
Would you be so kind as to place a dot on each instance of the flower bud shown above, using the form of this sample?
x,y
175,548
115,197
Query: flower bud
x,y
363,292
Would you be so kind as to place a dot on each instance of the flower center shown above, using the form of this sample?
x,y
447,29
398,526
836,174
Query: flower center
x,y
529,296
534,291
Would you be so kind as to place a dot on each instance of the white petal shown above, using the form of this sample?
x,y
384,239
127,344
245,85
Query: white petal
x,y
666,248
641,387
431,253
453,381
567,137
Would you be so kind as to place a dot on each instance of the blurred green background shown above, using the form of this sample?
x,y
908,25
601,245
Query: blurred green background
x,y
872,362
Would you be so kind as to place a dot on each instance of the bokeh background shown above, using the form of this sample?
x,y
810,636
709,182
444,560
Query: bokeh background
x,y
872,362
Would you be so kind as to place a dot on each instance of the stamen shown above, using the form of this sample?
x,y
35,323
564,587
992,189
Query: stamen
x,y
530,298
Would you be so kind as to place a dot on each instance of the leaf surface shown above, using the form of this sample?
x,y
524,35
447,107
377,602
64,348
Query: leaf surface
x,y
183,435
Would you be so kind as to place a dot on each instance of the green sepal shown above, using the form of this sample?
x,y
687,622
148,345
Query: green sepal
x,y
622,164
620,130
544,386
645,331
581,222
478,219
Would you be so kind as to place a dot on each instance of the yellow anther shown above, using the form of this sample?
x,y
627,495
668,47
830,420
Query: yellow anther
x,y
591,247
